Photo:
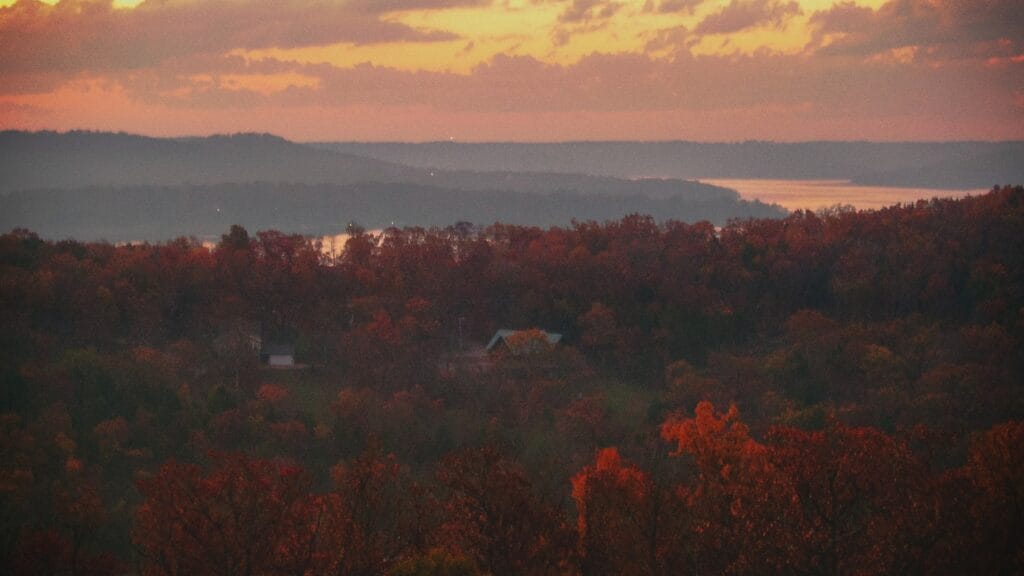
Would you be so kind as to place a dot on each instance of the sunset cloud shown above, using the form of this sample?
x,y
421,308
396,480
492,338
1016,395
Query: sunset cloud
x,y
536,69
385,6
91,35
600,83
589,10
935,29
742,14
670,6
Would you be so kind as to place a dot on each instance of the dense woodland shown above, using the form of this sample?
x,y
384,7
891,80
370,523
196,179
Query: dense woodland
x,y
828,393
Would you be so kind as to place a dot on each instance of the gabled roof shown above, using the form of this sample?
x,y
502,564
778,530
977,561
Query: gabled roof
x,y
504,333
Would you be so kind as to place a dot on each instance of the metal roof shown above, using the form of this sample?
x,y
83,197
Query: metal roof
x,y
504,333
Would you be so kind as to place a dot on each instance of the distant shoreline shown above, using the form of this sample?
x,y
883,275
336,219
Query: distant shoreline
x,y
817,194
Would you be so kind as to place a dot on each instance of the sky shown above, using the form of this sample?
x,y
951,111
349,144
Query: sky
x,y
518,70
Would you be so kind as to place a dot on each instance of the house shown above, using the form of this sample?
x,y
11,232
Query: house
x,y
278,355
238,337
520,342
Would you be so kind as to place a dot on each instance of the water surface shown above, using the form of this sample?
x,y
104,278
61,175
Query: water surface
x,y
815,194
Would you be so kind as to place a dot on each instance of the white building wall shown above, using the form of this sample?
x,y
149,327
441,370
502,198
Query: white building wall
x,y
281,360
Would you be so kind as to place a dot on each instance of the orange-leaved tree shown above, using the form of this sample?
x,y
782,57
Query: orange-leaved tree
x,y
613,500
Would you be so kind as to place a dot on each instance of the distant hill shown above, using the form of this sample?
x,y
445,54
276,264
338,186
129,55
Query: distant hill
x,y
962,165
75,159
50,160
159,213
1005,165
90,185
31,160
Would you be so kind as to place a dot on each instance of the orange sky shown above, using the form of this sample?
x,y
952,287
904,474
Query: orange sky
x,y
532,70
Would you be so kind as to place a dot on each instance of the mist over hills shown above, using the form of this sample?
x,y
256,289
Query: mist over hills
x,y
951,165
117,187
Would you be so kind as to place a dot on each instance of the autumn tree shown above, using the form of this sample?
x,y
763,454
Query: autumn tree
x,y
377,515
732,498
493,516
859,501
613,503
244,516
996,471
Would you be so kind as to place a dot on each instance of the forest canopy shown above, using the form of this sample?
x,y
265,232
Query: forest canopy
x,y
825,393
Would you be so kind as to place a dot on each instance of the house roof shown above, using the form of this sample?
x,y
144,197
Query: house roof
x,y
278,349
504,333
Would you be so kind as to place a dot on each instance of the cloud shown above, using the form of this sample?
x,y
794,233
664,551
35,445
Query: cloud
x,y
845,17
612,83
672,6
937,30
582,16
959,64
91,35
672,40
581,11
385,6
762,95
742,14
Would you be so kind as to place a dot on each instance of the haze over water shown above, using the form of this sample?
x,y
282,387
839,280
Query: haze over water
x,y
816,194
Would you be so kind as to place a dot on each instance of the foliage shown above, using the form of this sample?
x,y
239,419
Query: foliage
x,y
867,367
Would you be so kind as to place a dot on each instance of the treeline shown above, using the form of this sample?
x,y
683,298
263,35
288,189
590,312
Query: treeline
x,y
827,393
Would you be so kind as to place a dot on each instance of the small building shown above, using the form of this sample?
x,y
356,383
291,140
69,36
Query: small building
x,y
278,355
520,342
238,337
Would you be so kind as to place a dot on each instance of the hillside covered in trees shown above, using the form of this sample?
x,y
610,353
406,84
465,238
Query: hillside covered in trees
x,y
831,393
122,188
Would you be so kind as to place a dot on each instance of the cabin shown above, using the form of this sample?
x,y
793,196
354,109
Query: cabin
x,y
278,355
238,337
521,342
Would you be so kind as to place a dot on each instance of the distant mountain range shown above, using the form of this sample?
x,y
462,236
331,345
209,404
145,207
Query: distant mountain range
x,y
947,165
91,185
